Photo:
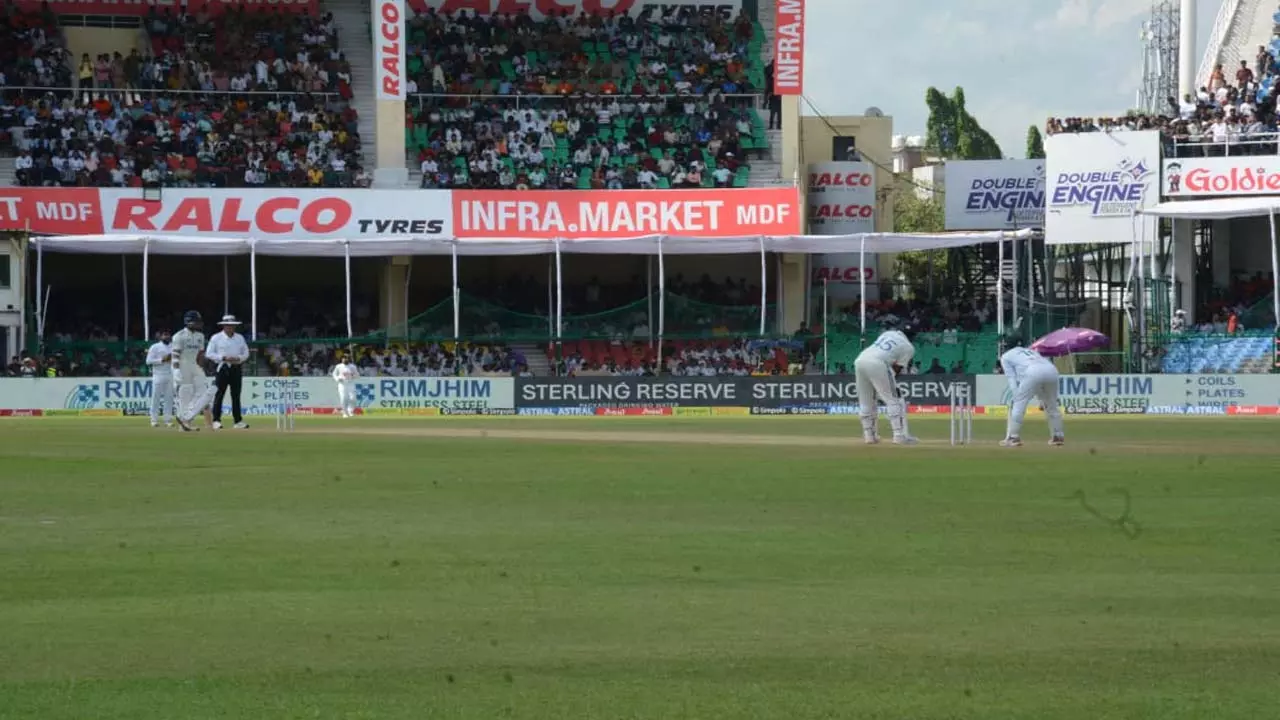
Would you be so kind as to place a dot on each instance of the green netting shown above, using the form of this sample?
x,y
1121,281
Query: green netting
x,y
970,353
1261,315
685,319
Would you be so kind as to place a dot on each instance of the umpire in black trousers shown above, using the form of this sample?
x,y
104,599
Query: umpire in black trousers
x,y
229,350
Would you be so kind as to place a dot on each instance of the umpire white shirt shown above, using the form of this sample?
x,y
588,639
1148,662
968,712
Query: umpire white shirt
x,y
222,347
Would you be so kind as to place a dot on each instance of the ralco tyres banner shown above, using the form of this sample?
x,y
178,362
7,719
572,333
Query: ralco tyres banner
x,y
336,214
541,9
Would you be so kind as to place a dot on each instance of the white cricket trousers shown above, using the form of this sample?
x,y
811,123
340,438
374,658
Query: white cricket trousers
x,y
875,381
162,398
194,394
346,396
1040,383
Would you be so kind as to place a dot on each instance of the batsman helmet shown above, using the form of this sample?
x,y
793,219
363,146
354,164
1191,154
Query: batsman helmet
x,y
909,329
1014,338
192,319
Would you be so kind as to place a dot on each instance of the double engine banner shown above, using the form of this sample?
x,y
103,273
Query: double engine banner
x,y
772,392
264,395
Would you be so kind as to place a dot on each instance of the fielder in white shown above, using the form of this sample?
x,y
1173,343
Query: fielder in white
x,y
1030,376
194,389
877,379
345,374
160,360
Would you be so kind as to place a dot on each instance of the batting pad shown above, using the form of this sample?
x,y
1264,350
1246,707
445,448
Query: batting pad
x,y
200,403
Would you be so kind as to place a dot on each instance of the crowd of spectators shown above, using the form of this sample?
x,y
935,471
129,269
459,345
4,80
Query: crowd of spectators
x,y
242,50
684,53
32,50
601,143
583,102
184,141
1233,114
177,117
442,359
686,358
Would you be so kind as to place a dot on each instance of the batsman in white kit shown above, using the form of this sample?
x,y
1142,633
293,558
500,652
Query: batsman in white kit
x,y
194,389
876,374
160,360
1030,376
345,374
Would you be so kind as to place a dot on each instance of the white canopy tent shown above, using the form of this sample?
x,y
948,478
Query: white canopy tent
x,y
1226,209
654,245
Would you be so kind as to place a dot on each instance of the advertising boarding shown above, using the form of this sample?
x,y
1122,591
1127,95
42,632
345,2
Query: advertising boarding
x,y
624,214
265,395
788,47
841,198
995,194
671,10
281,214
1149,394
1221,176
388,49
1096,182
771,395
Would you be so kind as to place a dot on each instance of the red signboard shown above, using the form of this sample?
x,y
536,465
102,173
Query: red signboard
x,y
788,47
539,9
51,211
307,214
626,213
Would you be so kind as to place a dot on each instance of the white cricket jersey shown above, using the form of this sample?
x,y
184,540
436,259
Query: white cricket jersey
x,y
342,372
187,346
892,347
1020,362
158,360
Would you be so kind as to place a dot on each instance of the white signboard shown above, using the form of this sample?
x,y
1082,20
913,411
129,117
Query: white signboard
x,y
843,276
388,49
1096,182
263,396
995,194
842,198
1213,177
1149,394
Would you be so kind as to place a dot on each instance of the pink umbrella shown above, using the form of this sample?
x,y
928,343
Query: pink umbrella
x,y
1070,340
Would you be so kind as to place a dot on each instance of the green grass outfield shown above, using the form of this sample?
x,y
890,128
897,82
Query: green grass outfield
x,y
638,568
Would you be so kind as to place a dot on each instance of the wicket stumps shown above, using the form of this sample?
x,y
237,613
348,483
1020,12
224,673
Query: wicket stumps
x,y
961,415
285,411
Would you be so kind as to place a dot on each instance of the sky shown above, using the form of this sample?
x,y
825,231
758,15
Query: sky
x,y
1019,61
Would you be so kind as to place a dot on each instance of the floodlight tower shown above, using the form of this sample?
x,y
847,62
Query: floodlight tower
x,y
1165,55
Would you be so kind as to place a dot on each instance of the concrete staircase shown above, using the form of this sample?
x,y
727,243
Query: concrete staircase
x,y
536,357
8,176
767,172
355,39
1240,27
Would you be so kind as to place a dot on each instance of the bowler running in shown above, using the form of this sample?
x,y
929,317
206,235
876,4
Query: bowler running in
x,y
1030,376
876,375
345,374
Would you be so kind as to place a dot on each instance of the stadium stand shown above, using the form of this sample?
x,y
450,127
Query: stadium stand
x,y
1250,352
604,103
32,51
1234,114
253,99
